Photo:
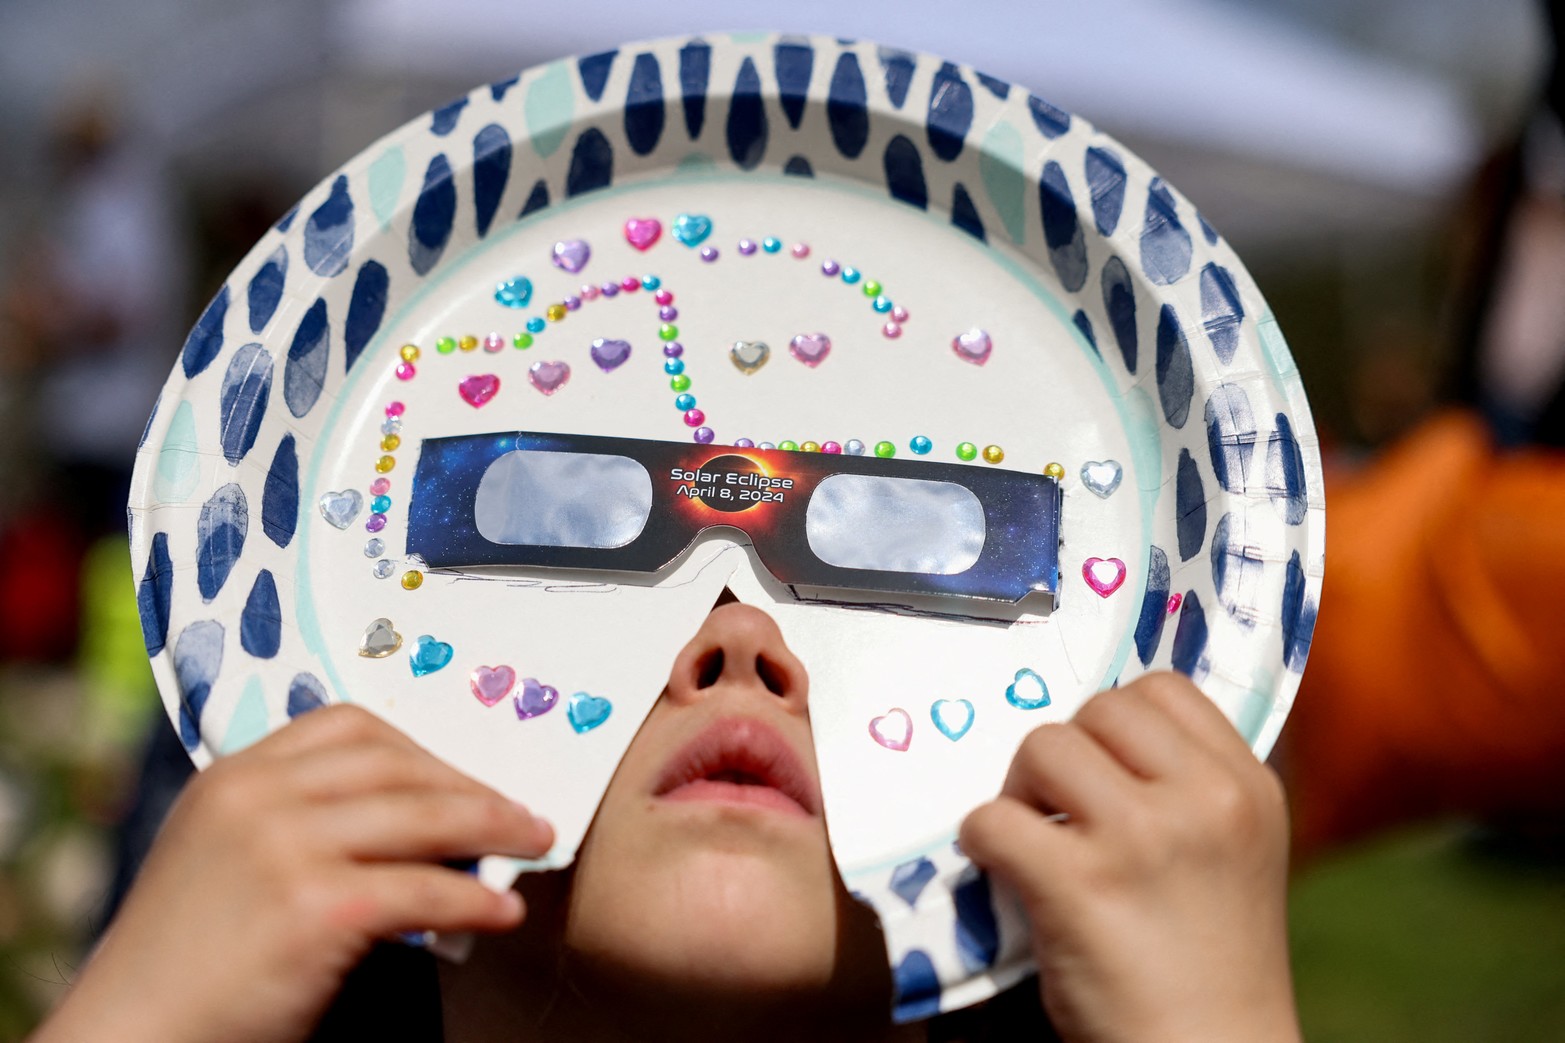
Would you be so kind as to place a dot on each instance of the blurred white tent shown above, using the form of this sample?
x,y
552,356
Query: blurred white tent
x,y
1290,122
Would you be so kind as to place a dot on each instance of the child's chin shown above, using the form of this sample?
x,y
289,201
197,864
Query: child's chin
x,y
717,922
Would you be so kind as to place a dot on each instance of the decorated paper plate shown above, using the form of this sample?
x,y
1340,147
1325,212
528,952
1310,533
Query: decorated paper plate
x,y
977,406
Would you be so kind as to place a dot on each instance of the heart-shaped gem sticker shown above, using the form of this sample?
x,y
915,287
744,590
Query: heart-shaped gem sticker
x,y
810,348
514,292
534,699
571,255
1027,691
609,354
429,655
953,717
1174,601
478,388
642,232
340,508
1103,575
548,377
973,346
749,355
692,229
380,640
491,683
892,729
586,712
1102,476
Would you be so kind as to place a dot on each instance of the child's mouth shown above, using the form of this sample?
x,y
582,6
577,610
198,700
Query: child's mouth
x,y
742,762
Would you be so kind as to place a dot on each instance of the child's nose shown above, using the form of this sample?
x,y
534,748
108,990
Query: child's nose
x,y
739,646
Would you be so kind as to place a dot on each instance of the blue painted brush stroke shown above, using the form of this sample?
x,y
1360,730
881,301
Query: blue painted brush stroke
x,y
594,70
198,656
1230,436
366,308
491,171
1189,506
847,107
305,693
261,622
1154,606
304,373
433,215
328,234
695,72
592,163
265,291
247,386
1165,245
221,529
950,112
154,594
644,108
1119,300
905,172
280,494
1285,473
794,63
1175,371
206,338
747,127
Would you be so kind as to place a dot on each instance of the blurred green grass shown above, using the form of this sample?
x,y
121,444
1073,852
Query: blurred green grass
x,y
1431,936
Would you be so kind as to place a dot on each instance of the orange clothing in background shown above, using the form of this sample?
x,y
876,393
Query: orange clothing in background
x,y
1436,682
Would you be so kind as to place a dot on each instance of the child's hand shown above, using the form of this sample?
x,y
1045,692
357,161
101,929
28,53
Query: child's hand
x,y
1158,906
278,869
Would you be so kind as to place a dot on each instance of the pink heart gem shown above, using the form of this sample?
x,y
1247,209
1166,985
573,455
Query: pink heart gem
x,y
609,354
491,684
534,699
810,348
973,346
548,377
478,389
1103,575
642,232
572,255
893,729
1174,601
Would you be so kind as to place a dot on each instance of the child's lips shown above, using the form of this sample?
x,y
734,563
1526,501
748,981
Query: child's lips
x,y
740,762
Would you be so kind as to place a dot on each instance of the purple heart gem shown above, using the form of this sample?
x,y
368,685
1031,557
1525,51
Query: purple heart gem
x,y
572,254
534,699
810,348
609,354
548,377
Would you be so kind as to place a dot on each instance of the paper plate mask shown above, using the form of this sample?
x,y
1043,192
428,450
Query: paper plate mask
x,y
452,441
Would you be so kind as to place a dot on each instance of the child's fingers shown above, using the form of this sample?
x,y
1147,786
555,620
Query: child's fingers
x,y
393,899
338,725
1176,696
1018,844
1137,731
427,826
1060,767
344,772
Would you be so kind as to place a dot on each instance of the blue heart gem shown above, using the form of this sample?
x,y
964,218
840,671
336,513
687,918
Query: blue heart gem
x,y
692,229
952,716
429,655
1028,692
514,292
586,712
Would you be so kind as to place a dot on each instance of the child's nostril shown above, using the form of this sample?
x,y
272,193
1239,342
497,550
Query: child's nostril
x,y
709,668
772,676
